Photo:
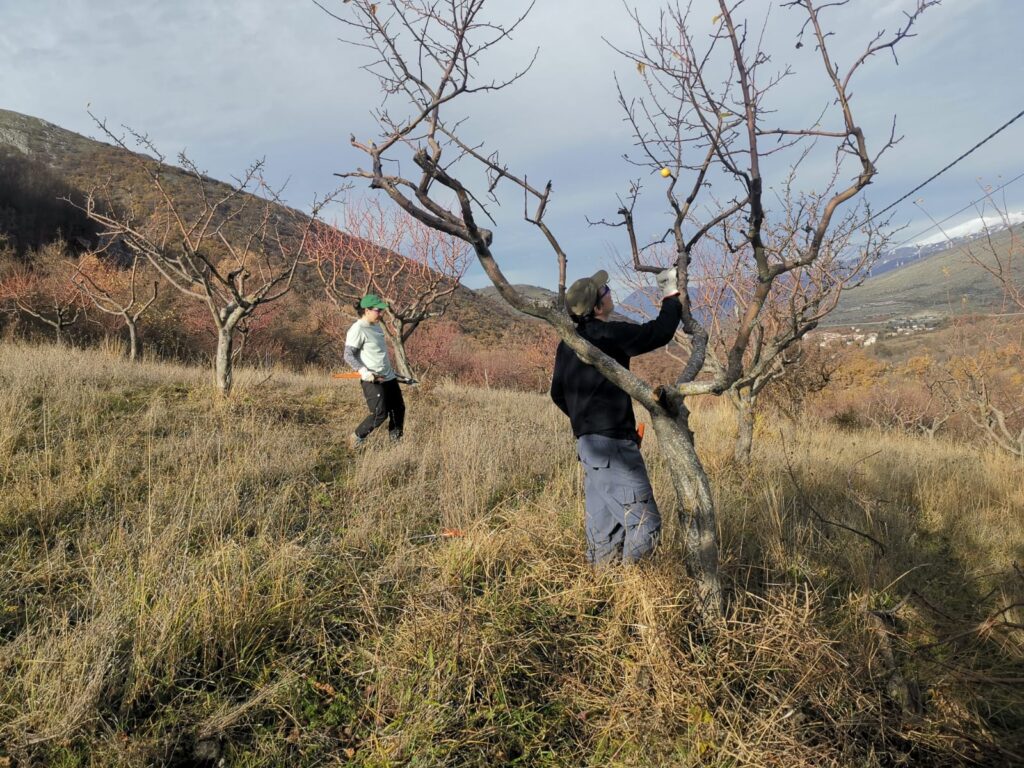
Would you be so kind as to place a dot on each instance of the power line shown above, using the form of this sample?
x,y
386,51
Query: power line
x,y
957,213
936,175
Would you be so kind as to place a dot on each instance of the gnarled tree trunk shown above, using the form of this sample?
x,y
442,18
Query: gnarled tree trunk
x,y
224,363
398,346
743,401
134,347
695,508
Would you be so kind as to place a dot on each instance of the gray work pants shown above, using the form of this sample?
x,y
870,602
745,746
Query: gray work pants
x,y
622,520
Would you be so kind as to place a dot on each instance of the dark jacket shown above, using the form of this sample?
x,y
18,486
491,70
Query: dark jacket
x,y
593,404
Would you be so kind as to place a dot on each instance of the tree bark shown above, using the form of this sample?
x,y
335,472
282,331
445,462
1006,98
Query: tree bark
x,y
133,339
743,402
225,364
695,508
401,358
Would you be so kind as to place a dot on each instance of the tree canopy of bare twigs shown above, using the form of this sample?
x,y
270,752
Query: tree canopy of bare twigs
x,y
705,114
43,291
1004,262
984,380
723,282
114,291
235,250
377,249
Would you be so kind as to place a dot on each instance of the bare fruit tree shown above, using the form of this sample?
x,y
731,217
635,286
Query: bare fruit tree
x,y
1000,251
43,292
377,249
722,285
113,291
983,380
428,56
233,248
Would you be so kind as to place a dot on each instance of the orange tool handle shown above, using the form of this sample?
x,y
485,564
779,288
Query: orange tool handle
x,y
640,432
346,375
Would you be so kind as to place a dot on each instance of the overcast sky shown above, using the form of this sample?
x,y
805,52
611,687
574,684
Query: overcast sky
x,y
235,80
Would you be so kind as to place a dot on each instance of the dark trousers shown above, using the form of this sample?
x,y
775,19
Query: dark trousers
x,y
385,402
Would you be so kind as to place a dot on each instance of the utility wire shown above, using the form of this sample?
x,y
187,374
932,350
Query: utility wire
x,y
936,175
957,213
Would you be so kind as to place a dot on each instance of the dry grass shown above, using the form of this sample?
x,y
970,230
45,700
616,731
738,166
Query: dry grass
x,y
192,581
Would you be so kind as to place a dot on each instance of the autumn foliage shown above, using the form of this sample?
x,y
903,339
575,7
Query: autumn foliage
x,y
383,251
520,361
298,331
41,292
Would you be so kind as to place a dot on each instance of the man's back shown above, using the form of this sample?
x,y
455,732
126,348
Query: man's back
x,y
593,404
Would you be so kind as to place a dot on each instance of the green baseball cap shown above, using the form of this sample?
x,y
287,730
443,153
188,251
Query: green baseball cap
x,y
372,301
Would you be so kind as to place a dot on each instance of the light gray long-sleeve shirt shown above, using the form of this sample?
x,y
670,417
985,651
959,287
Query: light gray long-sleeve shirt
x,y
366,347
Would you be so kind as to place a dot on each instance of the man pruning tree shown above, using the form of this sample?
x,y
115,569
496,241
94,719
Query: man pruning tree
x,y
366,351
622,519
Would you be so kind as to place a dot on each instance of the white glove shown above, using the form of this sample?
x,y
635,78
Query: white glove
x,y
366,374
668,281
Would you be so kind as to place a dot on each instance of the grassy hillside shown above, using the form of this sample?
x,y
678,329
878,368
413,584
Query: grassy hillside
x,y
945,283
189,583
68,164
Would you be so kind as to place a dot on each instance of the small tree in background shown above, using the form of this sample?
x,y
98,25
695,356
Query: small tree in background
x,y
43,290
1000,251
987,387
416,269
114,291
232,248
984,379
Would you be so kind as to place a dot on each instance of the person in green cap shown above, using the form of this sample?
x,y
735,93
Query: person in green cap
x,y
366,351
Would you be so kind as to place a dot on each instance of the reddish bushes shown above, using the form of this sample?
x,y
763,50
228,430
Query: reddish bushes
x,y
521,361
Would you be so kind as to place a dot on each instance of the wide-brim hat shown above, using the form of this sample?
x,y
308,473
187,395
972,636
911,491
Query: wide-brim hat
x,y
581,298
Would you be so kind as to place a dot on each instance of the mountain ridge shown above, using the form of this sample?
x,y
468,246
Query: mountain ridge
x,y
960,234
926,279
80,164
943,281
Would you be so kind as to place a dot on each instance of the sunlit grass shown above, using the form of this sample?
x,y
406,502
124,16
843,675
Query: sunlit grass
x,y
187,578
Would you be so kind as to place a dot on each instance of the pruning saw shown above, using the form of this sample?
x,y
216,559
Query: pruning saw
x,y
355,375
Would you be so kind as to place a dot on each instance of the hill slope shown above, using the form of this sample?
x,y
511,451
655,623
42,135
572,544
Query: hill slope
x,y
942,283
53,161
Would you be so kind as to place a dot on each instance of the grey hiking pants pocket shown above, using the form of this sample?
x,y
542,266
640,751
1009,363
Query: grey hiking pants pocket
x,y
622,519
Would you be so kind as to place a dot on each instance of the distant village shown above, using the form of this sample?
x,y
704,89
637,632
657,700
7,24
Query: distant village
x,y
859,337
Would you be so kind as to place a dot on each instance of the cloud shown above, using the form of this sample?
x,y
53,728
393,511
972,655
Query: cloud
x,y
239,79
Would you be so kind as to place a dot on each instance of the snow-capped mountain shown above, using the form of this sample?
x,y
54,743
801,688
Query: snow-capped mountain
x,y
944,239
